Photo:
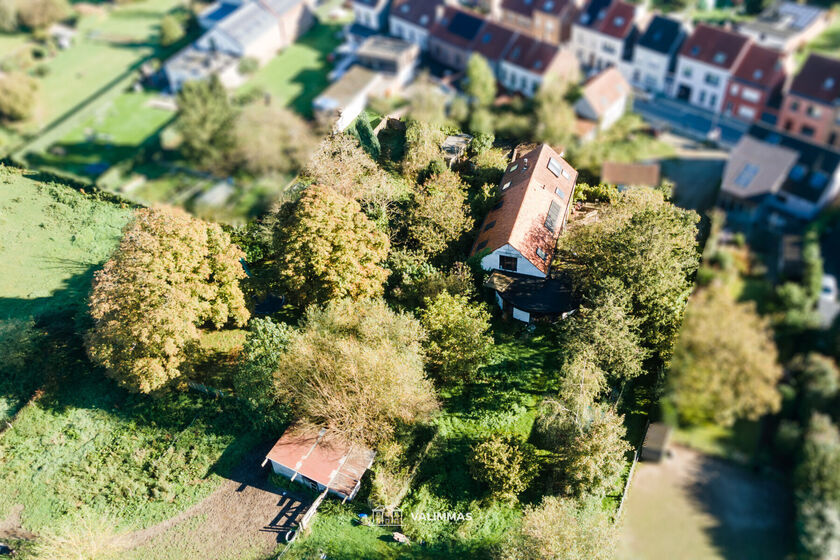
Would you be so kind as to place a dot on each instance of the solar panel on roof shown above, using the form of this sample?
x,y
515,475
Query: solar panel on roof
x,y
465,25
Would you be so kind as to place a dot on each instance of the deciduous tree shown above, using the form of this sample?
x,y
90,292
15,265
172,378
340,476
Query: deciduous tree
x,y
481,81
422,147
357,368
170,274
270,138
40,14
725,363
206,123
171,30
555,116
817,379
561,529
649,246
439,214
505,464
595,459
817,490
459,342
18,93
328,249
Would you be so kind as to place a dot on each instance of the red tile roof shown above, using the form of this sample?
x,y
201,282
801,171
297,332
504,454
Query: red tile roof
x,y
819,79
618,21
531,54
528,7
519,220
323,457
457,27
714,46
493,40
760,66
605,89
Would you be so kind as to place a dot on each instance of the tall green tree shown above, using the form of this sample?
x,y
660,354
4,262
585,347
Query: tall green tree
x,y
563,529
594,461
439,214
171,274
40,14
554,115
367,137
206,124
725,365
459,340
817,491
481,81
649,247
422,147
18,94
272,139
356,368
328,249
171,30
505,464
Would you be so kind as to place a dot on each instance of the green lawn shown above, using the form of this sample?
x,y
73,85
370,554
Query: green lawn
x,y
828,43
738,443
297,75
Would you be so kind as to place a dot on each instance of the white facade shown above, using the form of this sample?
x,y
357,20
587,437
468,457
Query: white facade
x,y
516,78
608,117
369,16
650,70
523,265
700,84
595,50
410,32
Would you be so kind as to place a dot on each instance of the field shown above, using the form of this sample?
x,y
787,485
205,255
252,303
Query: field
x,y
695,507
297,75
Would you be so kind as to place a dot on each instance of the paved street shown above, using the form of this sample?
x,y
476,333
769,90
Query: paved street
x,y
688,120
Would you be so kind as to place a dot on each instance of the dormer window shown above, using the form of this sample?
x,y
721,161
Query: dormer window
x,y
829,83
405,8
618,22
758,74
720,58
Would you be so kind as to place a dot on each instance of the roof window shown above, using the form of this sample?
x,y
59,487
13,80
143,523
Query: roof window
x,y
746,175
553,217
481,245
618,21
798,172
405,8
506,186
758,74
555,167
490,225
829,83
541,254
695,50
720,57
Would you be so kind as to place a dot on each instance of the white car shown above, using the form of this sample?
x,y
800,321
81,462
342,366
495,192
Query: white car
x,y
829,288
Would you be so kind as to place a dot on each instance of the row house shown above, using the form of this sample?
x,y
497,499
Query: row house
x,y
372,14
528,62
546,20
411,20
705,65
655,54
604,34
756,84
810,107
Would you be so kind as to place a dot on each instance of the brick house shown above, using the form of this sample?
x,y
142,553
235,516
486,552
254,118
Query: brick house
x,y
546,20
810,106
604,34
787,26
756,81
518,236
705,65
528,62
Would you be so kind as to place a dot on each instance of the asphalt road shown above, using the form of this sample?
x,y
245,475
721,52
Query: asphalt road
x,y
685,119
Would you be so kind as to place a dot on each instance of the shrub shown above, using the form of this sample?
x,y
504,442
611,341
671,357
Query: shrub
x,y
505,464
248,66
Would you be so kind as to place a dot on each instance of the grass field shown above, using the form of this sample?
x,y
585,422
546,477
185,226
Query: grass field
x,y
298,74
827,43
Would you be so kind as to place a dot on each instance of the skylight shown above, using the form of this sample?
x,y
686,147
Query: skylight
x,y
513,167
506,186
555,167
553,217
618,21
541,254
549,5
798,172
746,175
481,245
757,75
818,180
720,57
405,8
829,83
486,39
695,50
490,225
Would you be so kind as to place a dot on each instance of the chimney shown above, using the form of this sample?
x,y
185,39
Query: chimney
x,y
525,164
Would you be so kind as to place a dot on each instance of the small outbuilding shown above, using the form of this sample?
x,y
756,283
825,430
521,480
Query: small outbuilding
x,y
322,460
455,148
657,438
624,175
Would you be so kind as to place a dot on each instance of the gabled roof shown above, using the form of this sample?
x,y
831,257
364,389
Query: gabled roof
x,y
417,12
818,79
531,54
532,193
247,24
760,66
457,27
814,166
322,456
755,168
604,90
661,35
618,22
528,7
714,46
493,40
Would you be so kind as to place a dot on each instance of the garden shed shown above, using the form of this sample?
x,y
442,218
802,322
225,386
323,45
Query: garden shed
x,y
657,438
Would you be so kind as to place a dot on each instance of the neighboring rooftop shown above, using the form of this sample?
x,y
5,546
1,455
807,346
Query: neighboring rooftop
x,y
528,7
714,46
457,27
603,90
357,81
618,21
756,168
493,40
593,13
322,456
818,79
531,54
760,66
200,64
544,296
661,35
630,174
536,192
786,19
418,12
382,47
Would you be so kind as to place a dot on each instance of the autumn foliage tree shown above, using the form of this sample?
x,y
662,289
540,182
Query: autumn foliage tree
x,y
459,340
725,365
439,214
649,247
356,368
328,249
563,529
270,139
18,93
171,274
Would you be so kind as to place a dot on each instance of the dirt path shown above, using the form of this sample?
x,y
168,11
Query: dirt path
x,y
245,517
10,527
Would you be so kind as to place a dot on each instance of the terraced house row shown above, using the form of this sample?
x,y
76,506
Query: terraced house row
x,y
746,72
